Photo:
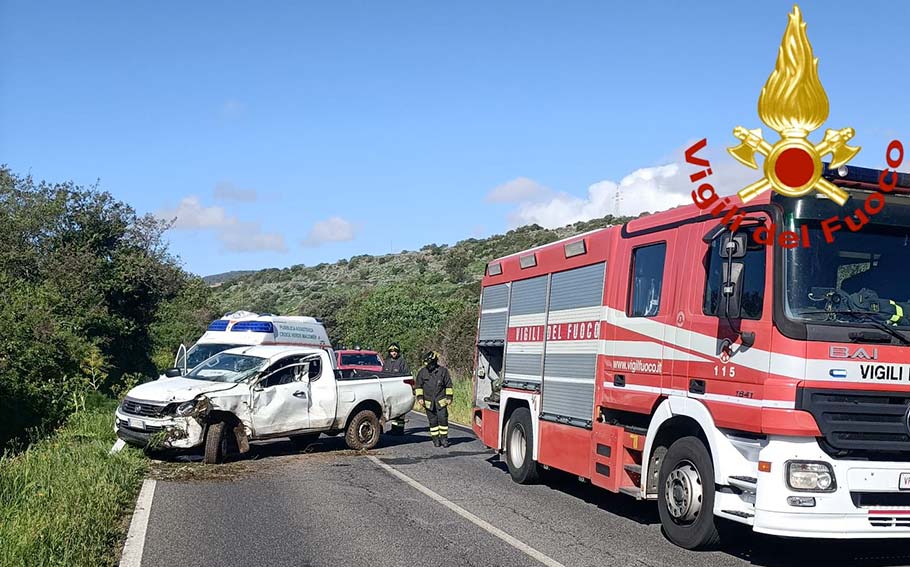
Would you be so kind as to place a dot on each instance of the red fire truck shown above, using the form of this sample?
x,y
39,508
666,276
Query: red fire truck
x,y
671,359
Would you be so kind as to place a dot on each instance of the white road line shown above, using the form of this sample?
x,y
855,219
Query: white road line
x,y
135,539
517,544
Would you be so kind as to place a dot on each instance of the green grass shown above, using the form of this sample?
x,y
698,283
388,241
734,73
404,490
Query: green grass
x,y
462,403
63,501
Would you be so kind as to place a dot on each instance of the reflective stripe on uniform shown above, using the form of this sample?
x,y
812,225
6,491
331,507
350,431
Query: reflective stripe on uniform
x,y
898,313
418,392
450,392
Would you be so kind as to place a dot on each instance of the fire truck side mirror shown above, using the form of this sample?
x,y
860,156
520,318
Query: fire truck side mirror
x,y
731,288
733,245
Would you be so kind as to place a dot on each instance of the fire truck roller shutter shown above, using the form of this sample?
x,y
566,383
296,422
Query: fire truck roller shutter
x,y
494,314
527,309
570,362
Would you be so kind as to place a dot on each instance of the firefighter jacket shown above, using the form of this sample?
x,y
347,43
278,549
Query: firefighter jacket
x,y
435,386
396,366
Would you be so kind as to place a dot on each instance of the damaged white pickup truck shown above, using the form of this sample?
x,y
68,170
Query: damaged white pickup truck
x,y
250,393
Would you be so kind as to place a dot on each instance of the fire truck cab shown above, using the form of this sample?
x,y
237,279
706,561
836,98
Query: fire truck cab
x,y
671,359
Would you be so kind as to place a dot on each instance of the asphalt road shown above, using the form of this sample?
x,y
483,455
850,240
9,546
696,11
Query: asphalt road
x,y
329,506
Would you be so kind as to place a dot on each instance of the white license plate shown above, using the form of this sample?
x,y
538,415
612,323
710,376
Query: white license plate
x,y
904,482
136,423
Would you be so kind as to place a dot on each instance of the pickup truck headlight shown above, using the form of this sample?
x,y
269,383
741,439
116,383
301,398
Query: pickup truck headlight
x,y
185,409
810,476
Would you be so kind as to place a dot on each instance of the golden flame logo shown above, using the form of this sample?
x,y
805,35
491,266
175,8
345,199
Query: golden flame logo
x,y
793,103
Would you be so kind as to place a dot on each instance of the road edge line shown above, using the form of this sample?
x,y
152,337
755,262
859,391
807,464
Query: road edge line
x,y
135,537
479,522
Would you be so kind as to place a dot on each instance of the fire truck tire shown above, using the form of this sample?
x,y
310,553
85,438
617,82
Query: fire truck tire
x,y
216,443
519,445
685,495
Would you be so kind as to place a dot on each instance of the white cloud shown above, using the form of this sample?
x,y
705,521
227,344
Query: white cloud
x,y
334,229
190,214
518,190
248,237
648,189
227,191
235,235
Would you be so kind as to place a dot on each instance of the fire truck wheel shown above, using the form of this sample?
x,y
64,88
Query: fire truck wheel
x,y
520,446
685,495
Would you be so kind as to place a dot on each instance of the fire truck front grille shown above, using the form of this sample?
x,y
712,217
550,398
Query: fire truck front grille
x,y
144,409
860,424
885,521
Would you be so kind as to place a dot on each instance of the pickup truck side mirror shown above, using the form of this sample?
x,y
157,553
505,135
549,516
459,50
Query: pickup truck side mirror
x,y
173,373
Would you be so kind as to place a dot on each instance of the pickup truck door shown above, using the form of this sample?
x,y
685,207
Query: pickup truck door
x,y
281,397
323,395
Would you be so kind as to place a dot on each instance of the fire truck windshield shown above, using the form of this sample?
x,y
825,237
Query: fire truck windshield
x,y
861,279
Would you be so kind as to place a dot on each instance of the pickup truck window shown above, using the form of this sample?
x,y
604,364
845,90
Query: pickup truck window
x,y
360,359
291,369
227,368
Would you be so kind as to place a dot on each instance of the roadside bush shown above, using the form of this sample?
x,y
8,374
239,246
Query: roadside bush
x,y
82,280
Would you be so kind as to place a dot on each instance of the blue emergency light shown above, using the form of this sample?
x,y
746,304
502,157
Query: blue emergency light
x,y
253,327
218,325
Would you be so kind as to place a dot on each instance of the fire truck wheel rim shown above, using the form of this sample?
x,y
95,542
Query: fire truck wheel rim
x,y
684,493
517,446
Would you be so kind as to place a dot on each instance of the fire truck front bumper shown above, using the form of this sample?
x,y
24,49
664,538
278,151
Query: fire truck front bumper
x,y
806,493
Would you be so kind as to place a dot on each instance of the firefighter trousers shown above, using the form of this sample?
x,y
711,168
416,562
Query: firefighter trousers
x,y
439,421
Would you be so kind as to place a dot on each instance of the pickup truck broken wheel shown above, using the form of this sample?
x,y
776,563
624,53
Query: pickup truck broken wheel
x,y
303,441
363,431
216,443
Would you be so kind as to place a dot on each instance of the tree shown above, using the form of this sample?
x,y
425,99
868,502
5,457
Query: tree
x,y
82,280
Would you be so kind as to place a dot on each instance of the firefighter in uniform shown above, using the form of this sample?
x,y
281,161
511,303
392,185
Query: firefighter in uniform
x,y
434,393
395,364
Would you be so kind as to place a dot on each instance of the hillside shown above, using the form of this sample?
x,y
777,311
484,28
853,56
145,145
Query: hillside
x,y
218,279
423,299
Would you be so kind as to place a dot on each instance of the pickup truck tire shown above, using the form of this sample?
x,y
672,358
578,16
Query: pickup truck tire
x,y
363,431
216,443
302,441
519,444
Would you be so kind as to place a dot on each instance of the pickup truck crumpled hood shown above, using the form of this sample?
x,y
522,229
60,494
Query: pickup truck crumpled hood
x,y
176,389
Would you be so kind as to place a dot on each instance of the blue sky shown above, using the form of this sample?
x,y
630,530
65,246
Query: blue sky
x,y
288,133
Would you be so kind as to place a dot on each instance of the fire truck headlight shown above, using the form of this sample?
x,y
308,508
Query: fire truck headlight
x,y
810,476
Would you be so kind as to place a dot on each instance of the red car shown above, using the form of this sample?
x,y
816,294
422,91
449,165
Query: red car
x,y
360,360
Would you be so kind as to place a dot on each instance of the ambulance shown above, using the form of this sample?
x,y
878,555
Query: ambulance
x,y
244,328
